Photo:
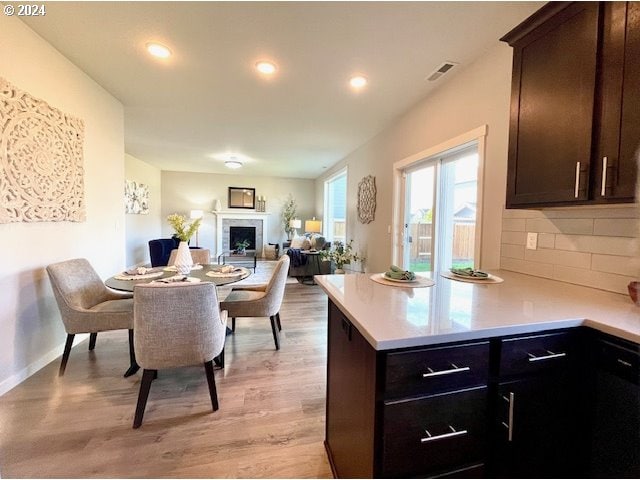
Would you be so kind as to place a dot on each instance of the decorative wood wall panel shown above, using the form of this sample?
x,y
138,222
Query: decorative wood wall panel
x,y
41,160
367,199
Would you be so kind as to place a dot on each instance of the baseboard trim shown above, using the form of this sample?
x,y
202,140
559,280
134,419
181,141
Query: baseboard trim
x,y
19,377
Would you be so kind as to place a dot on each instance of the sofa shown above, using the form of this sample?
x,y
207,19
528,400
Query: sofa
x,y
303,265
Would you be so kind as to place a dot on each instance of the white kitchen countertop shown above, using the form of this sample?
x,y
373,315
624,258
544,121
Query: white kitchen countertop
x,y
392,317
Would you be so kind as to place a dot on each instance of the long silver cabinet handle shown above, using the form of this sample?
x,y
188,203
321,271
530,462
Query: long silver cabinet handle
x,y
533,358
455,369
577,186
624,362
453,433
509,426
603,187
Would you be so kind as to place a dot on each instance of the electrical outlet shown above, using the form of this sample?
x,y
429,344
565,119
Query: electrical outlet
x,y
532,241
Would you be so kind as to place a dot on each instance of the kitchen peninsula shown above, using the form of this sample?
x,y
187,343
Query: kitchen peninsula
x,y
510,379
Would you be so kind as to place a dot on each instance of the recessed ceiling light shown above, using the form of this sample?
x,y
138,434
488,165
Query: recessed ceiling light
x,y
268,68
158,50
233,163
358,81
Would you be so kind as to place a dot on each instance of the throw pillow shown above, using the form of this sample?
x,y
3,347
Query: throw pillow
x,y
306,244
296,242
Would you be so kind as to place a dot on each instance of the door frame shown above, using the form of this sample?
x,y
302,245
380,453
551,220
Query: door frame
x,y
398,198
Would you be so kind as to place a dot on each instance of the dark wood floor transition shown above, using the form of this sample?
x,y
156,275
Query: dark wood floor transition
x,y
270,423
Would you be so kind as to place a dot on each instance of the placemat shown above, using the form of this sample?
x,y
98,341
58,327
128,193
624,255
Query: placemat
x,y
126,276
226,275
491,279
173,268
419,282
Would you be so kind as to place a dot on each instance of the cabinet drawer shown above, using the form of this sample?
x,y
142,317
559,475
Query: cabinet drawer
x,y
536,353
430,435
623,362
436,370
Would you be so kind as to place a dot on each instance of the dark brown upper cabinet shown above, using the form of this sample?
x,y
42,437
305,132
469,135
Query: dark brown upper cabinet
x,y
575,105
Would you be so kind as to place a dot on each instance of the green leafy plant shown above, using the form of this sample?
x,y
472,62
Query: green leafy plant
x,y
288,214
183,230
341,254
242,245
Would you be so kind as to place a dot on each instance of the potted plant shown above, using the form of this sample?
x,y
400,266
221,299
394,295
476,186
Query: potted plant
x,y
184,232
341,255
288,214
241,247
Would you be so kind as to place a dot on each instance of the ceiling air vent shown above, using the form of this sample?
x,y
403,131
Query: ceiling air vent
x,y
441,70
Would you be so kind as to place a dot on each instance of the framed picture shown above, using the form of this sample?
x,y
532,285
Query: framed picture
x,y
242,197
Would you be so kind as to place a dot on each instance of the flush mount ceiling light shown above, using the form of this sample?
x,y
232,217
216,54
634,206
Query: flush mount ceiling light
x,y
158,50
265,67
358,81
233,163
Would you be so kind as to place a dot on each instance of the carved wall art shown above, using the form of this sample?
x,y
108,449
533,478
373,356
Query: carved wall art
x,y
41,160
367,199
136,197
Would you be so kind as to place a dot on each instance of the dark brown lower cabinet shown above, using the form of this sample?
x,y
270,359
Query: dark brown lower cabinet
x,y
535,430
556,404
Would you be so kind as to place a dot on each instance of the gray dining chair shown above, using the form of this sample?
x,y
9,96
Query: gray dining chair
x,y
199,255
87,306
176,325
261,300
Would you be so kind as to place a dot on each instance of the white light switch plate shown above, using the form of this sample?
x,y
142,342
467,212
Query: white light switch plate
x,y
532,241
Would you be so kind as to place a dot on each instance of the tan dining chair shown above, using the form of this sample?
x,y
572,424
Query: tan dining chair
x,y
261,300
87,306
201,256
176,325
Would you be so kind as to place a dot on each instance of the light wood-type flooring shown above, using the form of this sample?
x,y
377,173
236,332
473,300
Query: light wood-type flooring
x,y
270,423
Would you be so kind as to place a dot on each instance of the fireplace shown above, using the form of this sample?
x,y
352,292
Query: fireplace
x,y
226,220
238,234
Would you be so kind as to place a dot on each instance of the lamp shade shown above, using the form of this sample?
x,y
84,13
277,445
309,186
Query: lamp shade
x,y
295,223
313,226
196,214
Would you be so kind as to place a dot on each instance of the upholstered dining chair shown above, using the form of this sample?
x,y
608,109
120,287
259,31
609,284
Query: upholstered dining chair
x,y
87,306
176,325
199,255
261,300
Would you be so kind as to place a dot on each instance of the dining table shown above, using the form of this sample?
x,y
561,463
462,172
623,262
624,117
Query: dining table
x,y
126,281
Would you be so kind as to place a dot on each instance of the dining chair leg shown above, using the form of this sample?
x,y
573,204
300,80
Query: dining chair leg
x,y
133,364
211,380
274,329
233,324
279,324
219,360
143,395
65,355
92,340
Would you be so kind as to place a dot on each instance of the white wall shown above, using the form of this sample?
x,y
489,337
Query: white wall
x,y
142,228
477,95
185,191
32,332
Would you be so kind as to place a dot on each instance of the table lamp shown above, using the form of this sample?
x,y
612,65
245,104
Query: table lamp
x,y
313,226
195,214
295,224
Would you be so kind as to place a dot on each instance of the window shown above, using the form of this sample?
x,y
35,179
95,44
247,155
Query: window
x,y
437,214
335,207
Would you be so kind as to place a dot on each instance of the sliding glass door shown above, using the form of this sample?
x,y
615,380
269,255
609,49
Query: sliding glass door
x,y
440,211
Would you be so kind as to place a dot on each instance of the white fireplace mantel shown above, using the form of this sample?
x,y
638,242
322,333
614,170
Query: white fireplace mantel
x,y
235,215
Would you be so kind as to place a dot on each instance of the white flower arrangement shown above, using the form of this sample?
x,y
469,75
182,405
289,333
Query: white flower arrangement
x,y
341,254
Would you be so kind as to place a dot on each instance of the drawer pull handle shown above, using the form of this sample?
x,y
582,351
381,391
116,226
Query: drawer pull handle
x,y
455,369
453,433
576,190
624,362
509,426
533,358
603,186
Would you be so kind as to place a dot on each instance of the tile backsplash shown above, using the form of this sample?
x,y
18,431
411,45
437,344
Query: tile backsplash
x,y
593,246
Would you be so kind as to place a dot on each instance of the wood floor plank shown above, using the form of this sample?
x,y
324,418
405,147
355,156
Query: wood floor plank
x,y
270,423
